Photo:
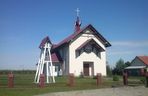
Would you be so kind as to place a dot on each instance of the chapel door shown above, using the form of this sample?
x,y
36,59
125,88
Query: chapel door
x,y
86,69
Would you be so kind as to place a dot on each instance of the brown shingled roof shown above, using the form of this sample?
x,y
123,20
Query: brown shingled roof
x,y
46,39
95,32
56,57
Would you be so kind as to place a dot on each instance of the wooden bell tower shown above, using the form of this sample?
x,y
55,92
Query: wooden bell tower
x,y
44,65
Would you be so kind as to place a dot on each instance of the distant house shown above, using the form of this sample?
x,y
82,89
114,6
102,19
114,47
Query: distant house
x,y
138,64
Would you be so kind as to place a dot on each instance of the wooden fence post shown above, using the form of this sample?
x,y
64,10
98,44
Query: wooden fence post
x,y
98,79
10,80
125,78
71,81
146,78
42,81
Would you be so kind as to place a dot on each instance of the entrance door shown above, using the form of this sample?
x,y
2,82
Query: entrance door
x,y
86,69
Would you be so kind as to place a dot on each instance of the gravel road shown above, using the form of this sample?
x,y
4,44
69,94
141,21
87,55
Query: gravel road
x,y
120,91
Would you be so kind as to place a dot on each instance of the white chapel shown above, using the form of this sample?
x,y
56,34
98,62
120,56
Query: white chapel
x,y
81,53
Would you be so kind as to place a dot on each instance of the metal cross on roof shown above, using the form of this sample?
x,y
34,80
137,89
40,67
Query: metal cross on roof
x,y
78,11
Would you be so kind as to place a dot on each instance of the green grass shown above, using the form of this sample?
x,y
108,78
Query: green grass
x,y
24,85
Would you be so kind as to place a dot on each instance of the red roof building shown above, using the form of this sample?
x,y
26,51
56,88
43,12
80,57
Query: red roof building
x,y
138,65
84,51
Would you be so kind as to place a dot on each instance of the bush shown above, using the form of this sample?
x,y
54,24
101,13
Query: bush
x,y
142,79
94,77
115,78
81,75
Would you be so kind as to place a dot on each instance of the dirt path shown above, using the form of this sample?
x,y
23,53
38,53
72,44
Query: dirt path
x,y
121,91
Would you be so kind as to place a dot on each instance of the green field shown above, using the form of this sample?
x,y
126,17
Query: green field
x,y
24,85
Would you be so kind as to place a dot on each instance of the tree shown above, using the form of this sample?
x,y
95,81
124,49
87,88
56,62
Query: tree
x,y
119,67
127,64
109,70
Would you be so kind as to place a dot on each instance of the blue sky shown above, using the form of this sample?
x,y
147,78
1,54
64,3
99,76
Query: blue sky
x,y
24,23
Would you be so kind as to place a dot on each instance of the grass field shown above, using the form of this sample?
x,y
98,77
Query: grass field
x,y
24,85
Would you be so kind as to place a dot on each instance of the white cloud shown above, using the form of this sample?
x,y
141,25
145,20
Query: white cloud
x,y
128,47
120,52
130,43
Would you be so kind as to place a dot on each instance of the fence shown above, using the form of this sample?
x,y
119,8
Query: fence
x,y
25,80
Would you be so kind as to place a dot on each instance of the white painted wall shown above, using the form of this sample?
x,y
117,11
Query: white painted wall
x,y
76,64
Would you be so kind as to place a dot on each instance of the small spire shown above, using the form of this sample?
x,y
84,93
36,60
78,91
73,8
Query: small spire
x,y
77,23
